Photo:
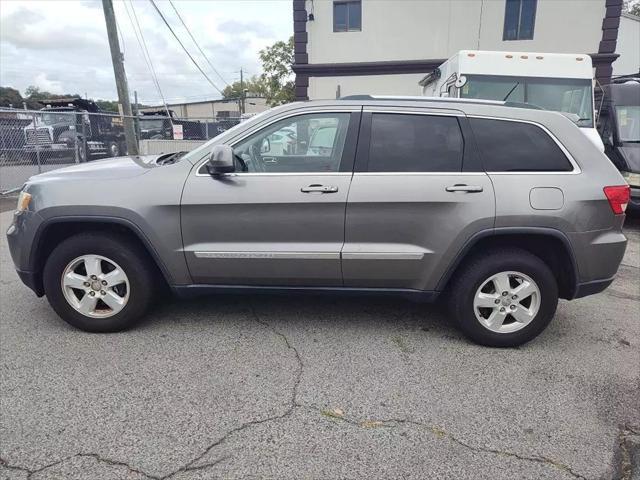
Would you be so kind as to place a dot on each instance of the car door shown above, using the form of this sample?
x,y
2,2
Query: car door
x,y
417,195
279,219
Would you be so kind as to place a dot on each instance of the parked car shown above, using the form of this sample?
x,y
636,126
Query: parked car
x,y
619,126
70,127
499,210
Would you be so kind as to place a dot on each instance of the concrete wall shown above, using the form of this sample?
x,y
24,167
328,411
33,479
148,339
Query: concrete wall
x,y
325,87
156,147
628,46
435,29
410,30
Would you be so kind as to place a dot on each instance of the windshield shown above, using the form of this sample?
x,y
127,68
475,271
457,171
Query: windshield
x,y
151,124
53,118
560,94
628,120
204,150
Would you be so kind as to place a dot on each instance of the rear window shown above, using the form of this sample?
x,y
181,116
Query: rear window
x,y
415,143
507,146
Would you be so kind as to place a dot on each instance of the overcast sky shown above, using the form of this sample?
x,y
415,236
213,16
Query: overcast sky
x,y
62,46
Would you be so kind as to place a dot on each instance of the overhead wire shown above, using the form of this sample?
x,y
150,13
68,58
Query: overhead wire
x,y
145,53
183,47
196,43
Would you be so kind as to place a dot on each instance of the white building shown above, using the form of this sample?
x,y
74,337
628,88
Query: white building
x,y
628,46
345,47
214,108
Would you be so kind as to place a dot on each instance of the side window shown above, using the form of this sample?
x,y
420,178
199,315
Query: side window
x,y
305,143
415,143
507,146
519,19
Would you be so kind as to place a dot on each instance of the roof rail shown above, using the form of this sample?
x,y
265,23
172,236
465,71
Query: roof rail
x,y
480,101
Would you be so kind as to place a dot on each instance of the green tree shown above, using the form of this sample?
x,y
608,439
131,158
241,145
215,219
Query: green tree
x,y
10,97
254,86
632,7
277,75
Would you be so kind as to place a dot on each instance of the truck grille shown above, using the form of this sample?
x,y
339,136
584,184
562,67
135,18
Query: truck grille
x,y
39,136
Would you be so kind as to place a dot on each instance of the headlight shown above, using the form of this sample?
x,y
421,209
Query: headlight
x,y
23,201
632,179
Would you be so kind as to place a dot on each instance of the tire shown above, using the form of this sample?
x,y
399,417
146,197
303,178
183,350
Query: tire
x,y
113,149
485,274
135,293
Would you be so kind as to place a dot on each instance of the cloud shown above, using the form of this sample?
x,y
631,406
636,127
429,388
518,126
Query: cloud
x,y
257,29
62,46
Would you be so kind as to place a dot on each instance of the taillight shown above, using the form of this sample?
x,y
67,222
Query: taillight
x,y
618,197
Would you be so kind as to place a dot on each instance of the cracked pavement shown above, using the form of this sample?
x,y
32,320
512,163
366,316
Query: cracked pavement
x,y
317,388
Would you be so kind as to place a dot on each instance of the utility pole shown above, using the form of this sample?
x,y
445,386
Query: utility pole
x,y
121,78
241,93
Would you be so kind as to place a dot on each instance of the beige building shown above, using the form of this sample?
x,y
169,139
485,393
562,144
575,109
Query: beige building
x,y
214,108
345,47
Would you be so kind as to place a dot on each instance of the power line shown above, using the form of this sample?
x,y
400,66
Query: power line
x,y
196,43
183,47
145,52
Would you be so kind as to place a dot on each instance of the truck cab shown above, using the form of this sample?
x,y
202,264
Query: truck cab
x,y
619,127
74,127
551,81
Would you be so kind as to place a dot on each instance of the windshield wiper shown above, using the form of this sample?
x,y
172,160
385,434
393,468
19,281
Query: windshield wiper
x,y
510,92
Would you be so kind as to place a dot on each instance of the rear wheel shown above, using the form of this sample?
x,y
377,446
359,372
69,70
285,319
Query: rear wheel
x,y
98,283
504,298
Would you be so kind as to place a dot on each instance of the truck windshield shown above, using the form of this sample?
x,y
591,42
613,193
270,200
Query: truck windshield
x,y
559,94
152,124
53,118
628,120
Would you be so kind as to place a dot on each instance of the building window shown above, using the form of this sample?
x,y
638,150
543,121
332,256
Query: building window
x,y
347,16
519,19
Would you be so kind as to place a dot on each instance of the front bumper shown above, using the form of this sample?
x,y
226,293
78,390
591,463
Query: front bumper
x,y
21,235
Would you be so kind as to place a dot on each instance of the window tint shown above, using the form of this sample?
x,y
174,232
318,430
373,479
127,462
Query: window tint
x,y
347,16
415,143
519,19
517,147
305,143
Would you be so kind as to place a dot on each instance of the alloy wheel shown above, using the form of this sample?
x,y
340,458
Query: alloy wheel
x,y
507,302
95,286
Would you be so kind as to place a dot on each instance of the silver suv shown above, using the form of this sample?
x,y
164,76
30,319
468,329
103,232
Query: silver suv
x,y
502,209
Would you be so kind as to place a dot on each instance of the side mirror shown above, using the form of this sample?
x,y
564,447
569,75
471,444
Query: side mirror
x,y
221,160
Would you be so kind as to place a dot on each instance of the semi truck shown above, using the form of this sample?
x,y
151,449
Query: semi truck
x,y
74,128
552,81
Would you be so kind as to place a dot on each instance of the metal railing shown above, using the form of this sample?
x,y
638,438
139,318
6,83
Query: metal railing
x,y
32,142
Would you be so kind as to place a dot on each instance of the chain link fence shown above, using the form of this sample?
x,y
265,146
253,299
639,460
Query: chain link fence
x,y
33,142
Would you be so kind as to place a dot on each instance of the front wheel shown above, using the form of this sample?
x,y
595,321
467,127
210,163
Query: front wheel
x,y
504,298
98,283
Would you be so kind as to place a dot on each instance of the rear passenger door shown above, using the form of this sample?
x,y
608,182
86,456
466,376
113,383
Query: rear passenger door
x,y
416,197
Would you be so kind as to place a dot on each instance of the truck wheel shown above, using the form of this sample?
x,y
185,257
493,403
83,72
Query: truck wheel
x,y
98,283
504,298
113,149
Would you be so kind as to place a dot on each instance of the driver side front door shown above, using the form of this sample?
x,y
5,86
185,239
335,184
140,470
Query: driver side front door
x,y
279,219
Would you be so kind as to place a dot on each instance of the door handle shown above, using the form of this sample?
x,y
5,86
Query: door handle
x,y
269,160
464,188
315,188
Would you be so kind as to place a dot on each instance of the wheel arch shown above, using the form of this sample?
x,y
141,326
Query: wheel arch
x,y
56,230
549,244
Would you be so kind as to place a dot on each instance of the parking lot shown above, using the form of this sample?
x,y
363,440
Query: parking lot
x,y
319,388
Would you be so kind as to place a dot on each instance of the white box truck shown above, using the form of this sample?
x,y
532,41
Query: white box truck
x,y
553,81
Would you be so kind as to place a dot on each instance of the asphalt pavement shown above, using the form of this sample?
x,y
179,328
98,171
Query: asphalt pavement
x,y
318,388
